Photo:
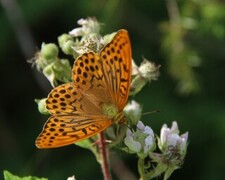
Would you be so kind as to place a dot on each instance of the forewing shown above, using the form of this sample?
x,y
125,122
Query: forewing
x,y
65,130
105,77
116,62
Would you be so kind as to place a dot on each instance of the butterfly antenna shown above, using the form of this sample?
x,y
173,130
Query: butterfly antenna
x,y
151,112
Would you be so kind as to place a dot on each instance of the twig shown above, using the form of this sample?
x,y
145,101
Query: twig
x,y
104,157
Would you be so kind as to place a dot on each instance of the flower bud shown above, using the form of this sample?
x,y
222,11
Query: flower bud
x,y
59,70
42,105
46,55
49,51
51,66
133,111
66,42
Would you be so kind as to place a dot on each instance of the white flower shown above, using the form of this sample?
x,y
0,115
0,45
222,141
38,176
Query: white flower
x,y
77,32
88,26
141,141
173,149
132,144
169,137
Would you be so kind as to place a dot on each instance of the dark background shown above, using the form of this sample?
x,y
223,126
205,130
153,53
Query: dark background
x,y
198,109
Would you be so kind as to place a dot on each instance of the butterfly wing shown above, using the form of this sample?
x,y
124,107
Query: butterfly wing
x,y
64,130
116,62
67,99
90,79
74,118
105,77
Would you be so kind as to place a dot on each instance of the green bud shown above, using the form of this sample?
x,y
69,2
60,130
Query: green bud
x,y
59,70
66,42
48,71
47,55
62,70
49,51
67,48
64,38
42,105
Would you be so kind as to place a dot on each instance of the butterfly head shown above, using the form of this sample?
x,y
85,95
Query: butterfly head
x,y
120,118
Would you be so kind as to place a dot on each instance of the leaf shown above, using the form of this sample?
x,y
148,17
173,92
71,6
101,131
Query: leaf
x,y
10,176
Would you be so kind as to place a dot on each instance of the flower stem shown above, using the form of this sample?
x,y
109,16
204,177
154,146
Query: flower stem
x,y
104,157
141,168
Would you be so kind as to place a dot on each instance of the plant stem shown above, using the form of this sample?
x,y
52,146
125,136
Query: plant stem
x,y
141,168
104,157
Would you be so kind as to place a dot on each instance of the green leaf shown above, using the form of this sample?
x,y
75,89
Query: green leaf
x,y
86,143
10,176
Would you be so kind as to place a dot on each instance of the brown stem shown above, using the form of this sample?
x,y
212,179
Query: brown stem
x,y
104,157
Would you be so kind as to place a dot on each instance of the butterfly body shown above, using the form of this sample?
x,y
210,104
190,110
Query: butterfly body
x,y
111,112
94,99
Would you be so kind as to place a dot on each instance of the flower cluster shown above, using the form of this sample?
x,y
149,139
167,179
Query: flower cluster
x,y
55,69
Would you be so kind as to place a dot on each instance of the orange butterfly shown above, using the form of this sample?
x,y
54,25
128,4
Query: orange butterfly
x,y
94,99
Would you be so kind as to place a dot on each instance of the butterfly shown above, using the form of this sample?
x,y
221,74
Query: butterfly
x,y
95,98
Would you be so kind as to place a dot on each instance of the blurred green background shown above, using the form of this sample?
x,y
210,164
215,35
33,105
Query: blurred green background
x,y
186,37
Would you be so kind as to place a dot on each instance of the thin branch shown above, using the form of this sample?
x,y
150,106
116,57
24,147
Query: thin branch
x,y
104,157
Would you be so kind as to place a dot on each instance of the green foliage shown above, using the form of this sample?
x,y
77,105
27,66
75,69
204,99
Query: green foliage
x,y
10,176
